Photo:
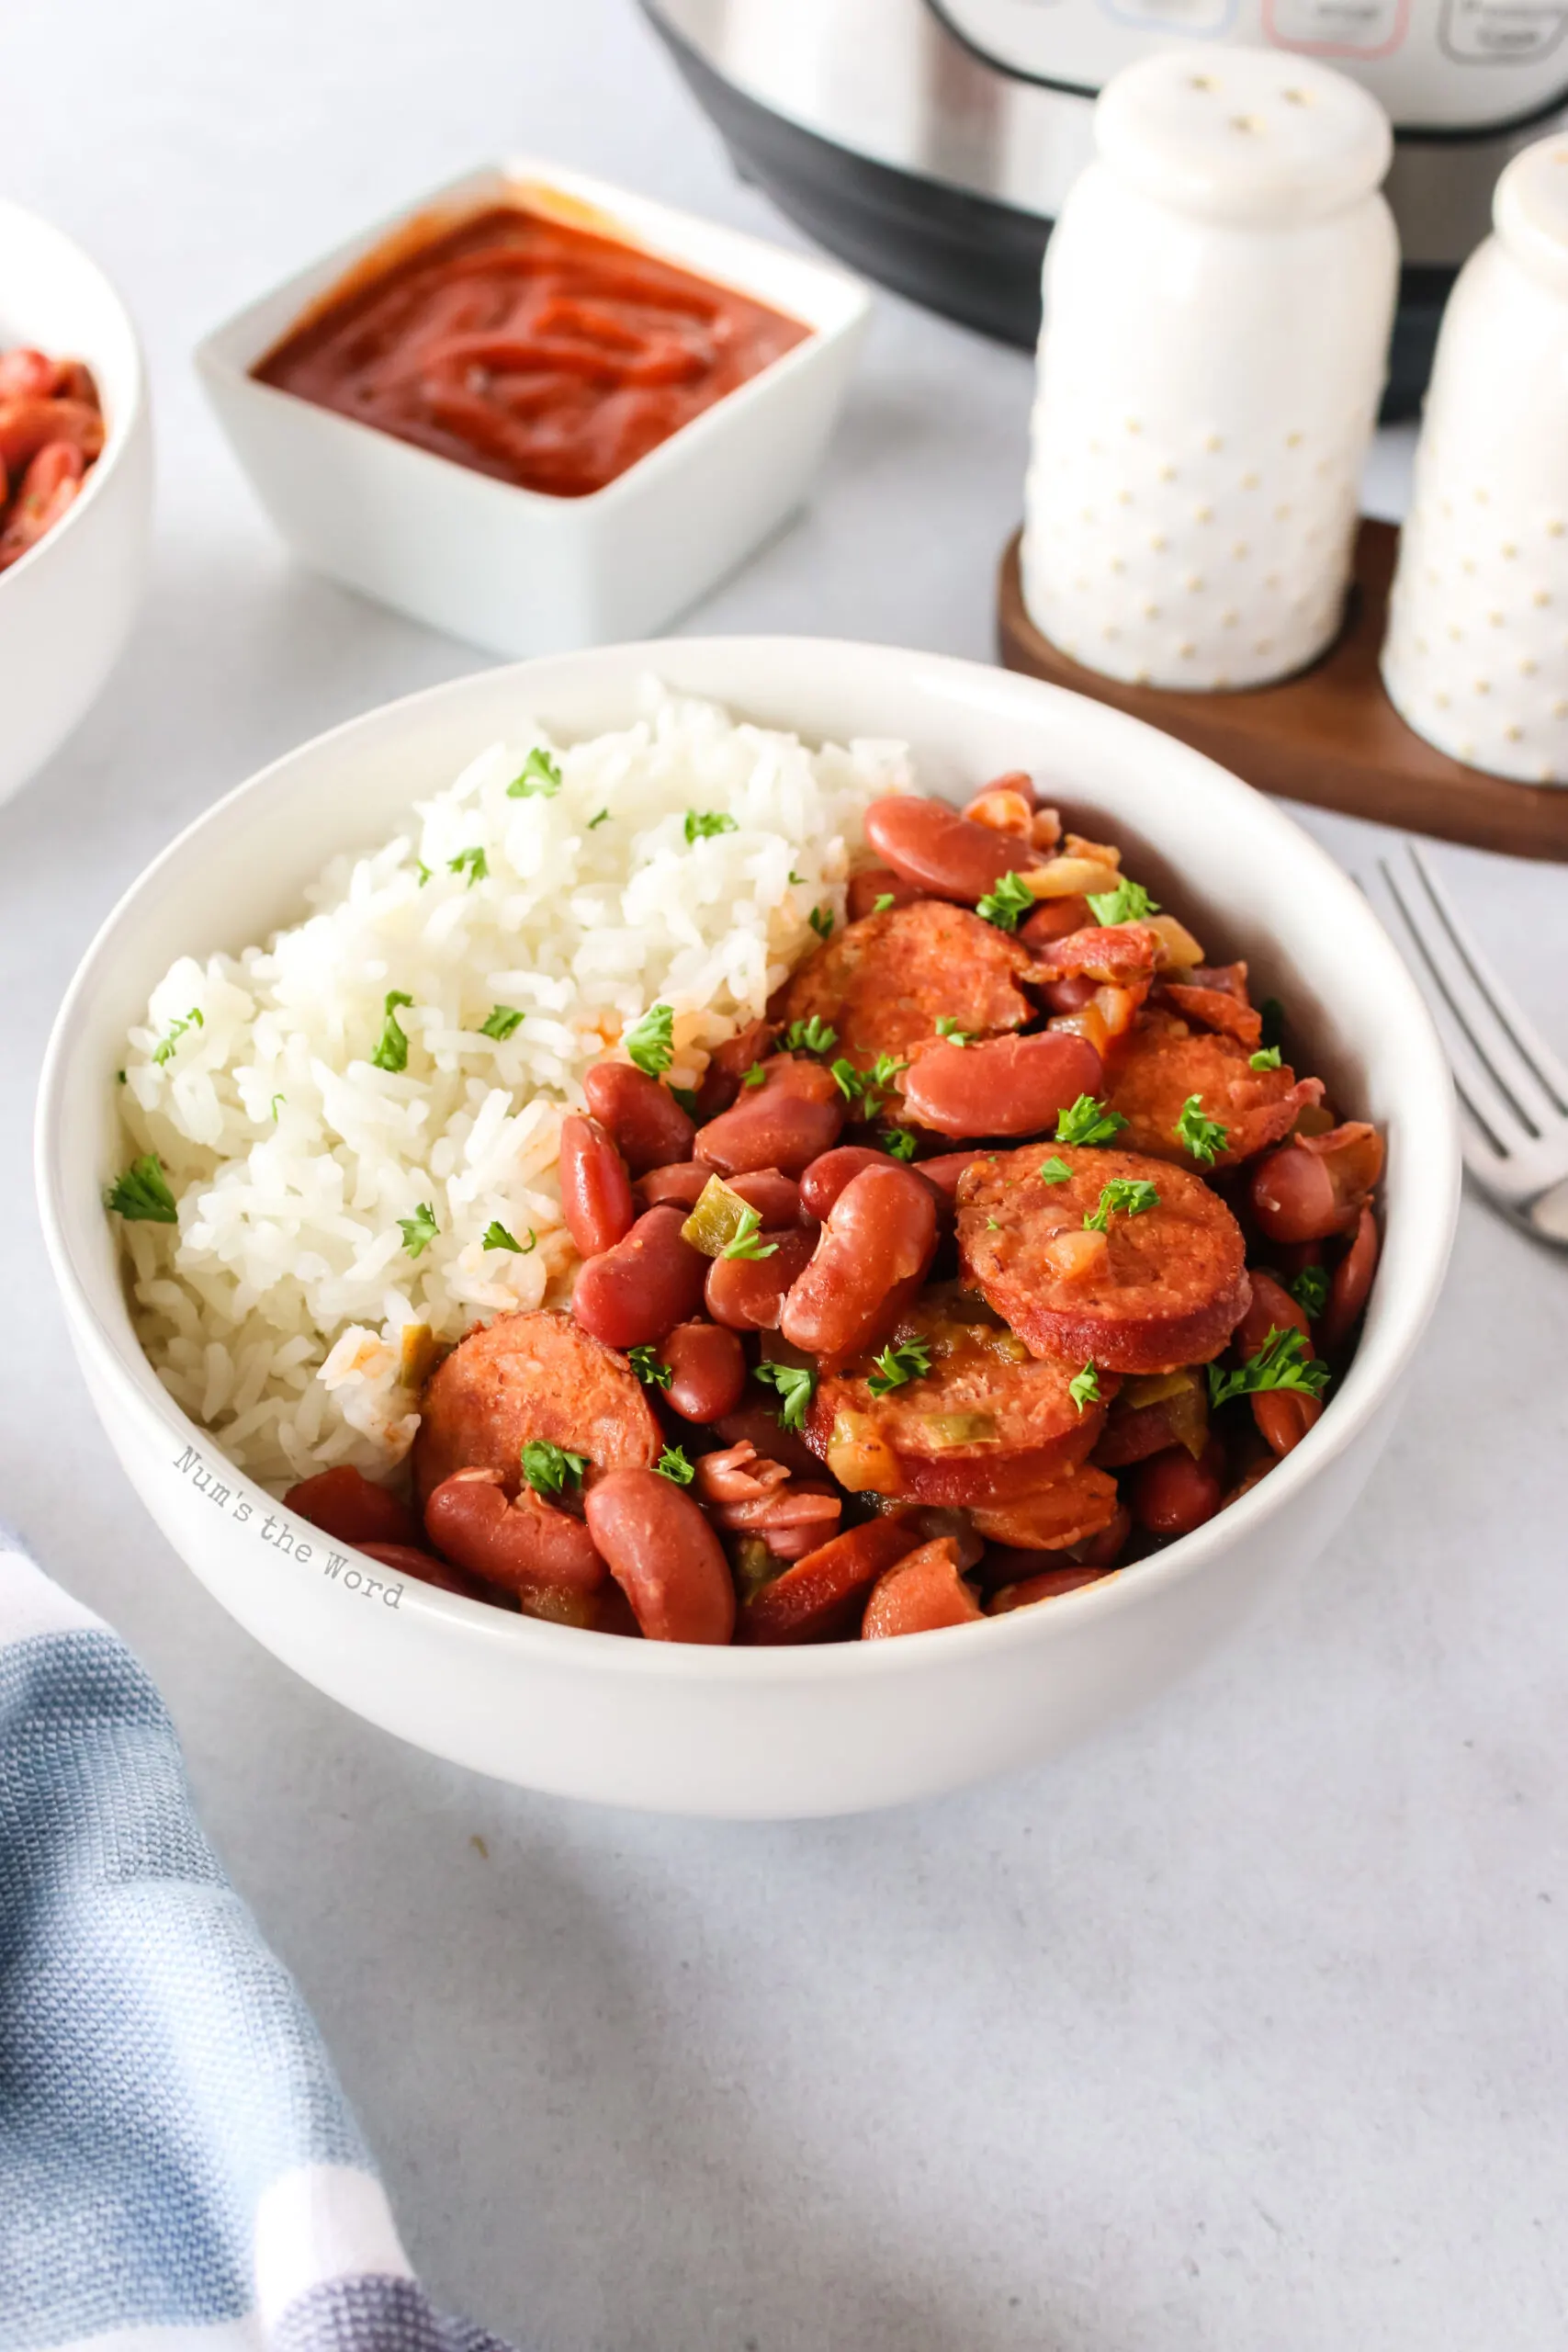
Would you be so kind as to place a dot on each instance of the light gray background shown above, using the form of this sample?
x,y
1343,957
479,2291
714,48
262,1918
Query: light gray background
x,y
1241,2028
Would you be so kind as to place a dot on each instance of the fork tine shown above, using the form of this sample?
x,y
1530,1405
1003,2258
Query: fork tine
x,y
1494,1132
1530,1064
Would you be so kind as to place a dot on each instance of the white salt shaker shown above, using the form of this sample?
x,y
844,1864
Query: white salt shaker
x,y
1219,292
1476,657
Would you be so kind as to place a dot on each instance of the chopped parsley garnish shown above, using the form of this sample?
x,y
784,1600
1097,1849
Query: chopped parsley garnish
x,y
1283,1361
1129,902
471,862
743,1242
992,1226
821,921
276,1101
496,1237
796,1384
847,1079
1310,1290
1055,1170
503,1019
797,881
1087,1121
142,1196
650,1041
1084,1387
392,1053
1203,1137
900,1142
813,1037
687,1098
870,1089
423,873
881,903
947,1027
896,1366
120,1078
1124,1196
164,1050
650,1367
754,1076
1268,1058
538,779
701,827
419,1230
1271,1013
594,822
1004,906
549,1469
672,1464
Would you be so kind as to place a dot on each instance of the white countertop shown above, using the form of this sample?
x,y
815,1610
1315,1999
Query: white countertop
x,y
1241,2028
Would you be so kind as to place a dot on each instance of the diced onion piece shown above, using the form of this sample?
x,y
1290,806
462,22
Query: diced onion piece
x,y
1070,878
1046,831
715,1220
1179,951
1090,1022
417,1354
1118,1008
1003,812
1102,853
1078,1254
960,1428
859,1458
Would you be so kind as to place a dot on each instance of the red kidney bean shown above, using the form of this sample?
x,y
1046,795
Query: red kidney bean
x,y
826,1177
1005,1086
630,1296
1283,1414
1314,1186
664,1555
879,882
1350,1282
1054,919
819,1598
748,1293
872,1256
1070,995
647,1125
1173,1494
349,1507
595,1188
945,1169
948,855
527,1547
681,1184
412,1560
774,1195
728,1065
759,1425
788,1121
920,1593
1042,1585
1102,1551
707,1371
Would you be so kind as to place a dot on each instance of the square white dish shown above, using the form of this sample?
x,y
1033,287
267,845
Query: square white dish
x,y
518,570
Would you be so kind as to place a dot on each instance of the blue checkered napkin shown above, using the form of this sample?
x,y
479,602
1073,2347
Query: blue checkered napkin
x,y
178,2169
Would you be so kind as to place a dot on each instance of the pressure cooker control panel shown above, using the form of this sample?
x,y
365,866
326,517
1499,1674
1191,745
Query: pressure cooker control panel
x,y
1435,64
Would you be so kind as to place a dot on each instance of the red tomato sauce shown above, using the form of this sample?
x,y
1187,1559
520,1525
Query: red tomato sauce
x,y
529,350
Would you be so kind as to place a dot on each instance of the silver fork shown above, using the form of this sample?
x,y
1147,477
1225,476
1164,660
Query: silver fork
x,y
1512,1089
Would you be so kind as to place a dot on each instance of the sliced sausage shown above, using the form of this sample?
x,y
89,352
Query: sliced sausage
x,y
1217,1009
647,1123
948,856
821,1597
1153,1292
1078,1506
794,1115
523,1544
884,982
595,1186
1114,953
920,1594
873,1255
1012,1086
349,1507
630,1296
1162,1063
664,1555
536,1376
987,1421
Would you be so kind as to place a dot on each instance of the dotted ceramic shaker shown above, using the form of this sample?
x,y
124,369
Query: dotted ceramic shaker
x,y
1219,292
1476,657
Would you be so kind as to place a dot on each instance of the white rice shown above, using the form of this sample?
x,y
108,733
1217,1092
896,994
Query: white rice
x,y
276,1312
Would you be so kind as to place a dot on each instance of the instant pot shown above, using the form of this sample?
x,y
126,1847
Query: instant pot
x,y
930,141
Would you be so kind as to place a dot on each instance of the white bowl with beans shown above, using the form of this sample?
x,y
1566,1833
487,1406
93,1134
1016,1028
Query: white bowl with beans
x,y
754,1732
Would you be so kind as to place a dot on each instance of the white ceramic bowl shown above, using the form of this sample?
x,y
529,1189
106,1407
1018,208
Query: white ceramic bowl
x,y
513,568
760,1733
67,608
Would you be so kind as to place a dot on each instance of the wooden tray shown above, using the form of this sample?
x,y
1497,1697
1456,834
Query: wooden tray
x,y
1330,736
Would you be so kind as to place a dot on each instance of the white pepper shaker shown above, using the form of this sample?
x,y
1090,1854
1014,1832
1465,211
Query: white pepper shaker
x,y
1476,656
1219,292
